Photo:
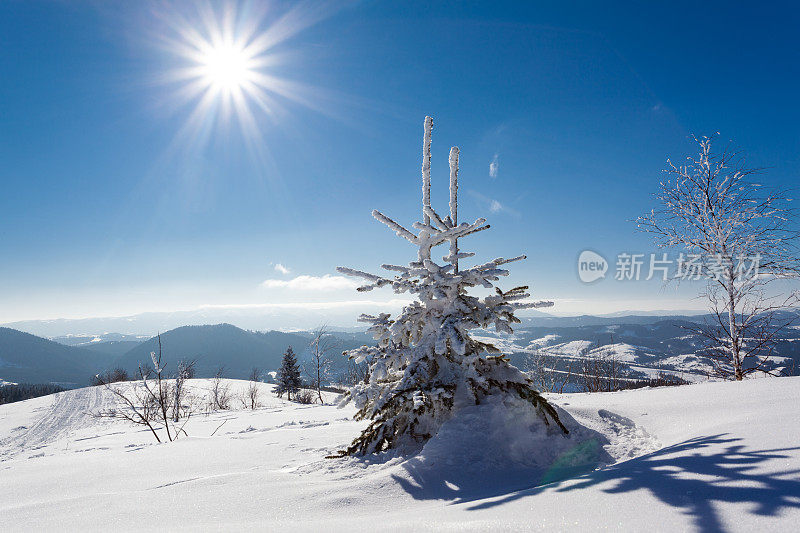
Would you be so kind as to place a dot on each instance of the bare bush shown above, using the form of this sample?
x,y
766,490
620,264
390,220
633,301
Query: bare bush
x,y
146,402
600,373
220,399
189,370
250,396
542,368
110,376
145,370
179,407
305,396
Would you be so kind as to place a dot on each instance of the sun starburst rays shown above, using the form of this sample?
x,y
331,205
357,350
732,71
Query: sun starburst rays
x,y
228,69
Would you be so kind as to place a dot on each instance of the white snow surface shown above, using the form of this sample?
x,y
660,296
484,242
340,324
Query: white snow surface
x,y
571,348
544,341
709,457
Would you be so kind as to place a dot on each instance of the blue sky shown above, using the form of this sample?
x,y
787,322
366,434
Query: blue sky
x,y
114,202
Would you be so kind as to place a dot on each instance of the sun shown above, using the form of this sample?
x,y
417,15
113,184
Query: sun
x,y
226,67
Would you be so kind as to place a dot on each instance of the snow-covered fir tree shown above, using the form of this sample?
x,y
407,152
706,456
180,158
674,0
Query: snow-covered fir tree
x,y
426,366
288,376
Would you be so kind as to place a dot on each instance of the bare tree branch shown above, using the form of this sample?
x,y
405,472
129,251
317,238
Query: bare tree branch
x,y
711,210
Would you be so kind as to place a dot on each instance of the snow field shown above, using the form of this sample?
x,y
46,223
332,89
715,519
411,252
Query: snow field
x,y
710,456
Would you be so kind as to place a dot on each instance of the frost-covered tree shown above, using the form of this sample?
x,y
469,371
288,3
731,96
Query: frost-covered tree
x,y
426,366
319,368
288,376
739,237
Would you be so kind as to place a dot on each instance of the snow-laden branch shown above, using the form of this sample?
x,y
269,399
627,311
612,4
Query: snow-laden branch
x,y
398,229
426,166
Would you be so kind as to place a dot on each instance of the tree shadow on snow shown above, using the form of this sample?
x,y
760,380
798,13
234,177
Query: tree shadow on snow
x,y
671,475
458,483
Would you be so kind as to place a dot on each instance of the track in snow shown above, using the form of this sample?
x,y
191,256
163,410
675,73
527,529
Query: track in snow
x,y
69,410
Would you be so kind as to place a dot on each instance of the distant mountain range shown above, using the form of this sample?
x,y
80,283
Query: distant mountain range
x,y
83,331
211,347
646,344
100,338
258,318
27,358
591,320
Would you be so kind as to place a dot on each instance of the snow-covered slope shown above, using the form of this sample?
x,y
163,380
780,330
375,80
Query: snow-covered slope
x,y
710,456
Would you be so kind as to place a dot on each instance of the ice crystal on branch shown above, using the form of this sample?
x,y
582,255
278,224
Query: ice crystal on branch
x,y
425,365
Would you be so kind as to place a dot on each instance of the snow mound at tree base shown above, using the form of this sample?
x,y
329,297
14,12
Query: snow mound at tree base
x,y
499,445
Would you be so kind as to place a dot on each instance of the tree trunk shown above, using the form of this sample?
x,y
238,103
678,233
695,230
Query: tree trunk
x,y
734,335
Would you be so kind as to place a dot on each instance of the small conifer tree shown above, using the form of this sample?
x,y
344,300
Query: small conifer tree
x,y
426,365
288,375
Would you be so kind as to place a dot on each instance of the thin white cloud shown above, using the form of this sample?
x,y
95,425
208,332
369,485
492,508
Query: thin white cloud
x,y
311,283
282,269
491,204
494,166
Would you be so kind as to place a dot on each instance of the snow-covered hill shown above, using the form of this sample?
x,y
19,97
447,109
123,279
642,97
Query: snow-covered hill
x,y
641,351
710,456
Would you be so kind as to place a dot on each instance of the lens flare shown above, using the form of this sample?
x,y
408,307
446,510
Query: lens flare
x,y
228,63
